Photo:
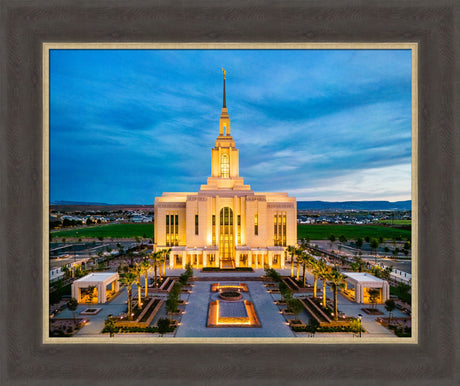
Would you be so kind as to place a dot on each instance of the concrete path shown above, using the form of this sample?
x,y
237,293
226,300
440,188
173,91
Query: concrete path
x,y
193,323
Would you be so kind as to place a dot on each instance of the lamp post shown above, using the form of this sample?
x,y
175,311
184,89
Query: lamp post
x,y
360,317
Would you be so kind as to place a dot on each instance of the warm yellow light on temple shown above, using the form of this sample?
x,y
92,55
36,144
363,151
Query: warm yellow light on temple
x,y
229,224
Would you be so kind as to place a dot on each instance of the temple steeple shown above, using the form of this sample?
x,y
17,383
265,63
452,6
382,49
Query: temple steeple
x,y
224,105
224,156
224,123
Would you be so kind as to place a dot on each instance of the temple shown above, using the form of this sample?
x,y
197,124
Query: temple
x,y
225,224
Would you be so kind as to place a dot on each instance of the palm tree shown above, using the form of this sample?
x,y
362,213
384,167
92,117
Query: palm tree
x,y
138,272
317,267
128,279
336,281
145,266
322,274
291,250
154,258
298,253
165,254
306,263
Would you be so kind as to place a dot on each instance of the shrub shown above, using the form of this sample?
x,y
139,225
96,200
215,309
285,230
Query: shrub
x,y
271,273
183,279
163,325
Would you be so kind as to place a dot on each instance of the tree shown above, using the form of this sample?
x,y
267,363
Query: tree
x,y
390,305
138,272
359,242
291,250
145,267
154,258
355,325
91,293
322,274
386,272
373,295
189,270
131,258
305,242
298,259
163,325
342,239
331,239
304,259
88,221
318,268
374,244
173,298
164,253
66,271
285,292
295,306
72,306
312,326
128,280
110,327
336,281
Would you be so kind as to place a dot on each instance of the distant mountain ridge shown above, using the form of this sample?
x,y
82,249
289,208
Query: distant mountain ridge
x,y
354,205
79,203
301,205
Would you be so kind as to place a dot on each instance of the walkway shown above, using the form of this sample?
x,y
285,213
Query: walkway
x,y
193,322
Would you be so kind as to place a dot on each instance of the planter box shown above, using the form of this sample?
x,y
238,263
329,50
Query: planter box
x,y
297,323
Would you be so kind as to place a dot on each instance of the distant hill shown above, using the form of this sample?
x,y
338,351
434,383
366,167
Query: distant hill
x,y
78,203
301,205
354,205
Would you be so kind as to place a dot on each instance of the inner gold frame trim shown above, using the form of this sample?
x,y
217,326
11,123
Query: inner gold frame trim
x,y
413,46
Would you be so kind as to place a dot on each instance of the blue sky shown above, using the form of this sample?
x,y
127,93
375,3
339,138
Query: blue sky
x,y
128,125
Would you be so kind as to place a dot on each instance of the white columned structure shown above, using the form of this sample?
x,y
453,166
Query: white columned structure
x,y
184,258
100,280
362,281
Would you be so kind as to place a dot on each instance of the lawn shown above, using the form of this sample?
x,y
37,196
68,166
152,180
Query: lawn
x,y
315,232
351,232
395,222
117,231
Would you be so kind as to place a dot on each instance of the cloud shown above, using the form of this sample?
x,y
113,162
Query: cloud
x,y
128,125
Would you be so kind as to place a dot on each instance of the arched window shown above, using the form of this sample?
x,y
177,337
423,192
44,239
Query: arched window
x,y
224,166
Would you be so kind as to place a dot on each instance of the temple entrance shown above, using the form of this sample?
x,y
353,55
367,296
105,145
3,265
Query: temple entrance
x,y
226,239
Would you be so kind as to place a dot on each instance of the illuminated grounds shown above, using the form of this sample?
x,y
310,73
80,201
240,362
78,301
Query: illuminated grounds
x,y
194,321
228,308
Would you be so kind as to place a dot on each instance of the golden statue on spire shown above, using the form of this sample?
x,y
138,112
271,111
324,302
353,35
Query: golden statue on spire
x,y
223,72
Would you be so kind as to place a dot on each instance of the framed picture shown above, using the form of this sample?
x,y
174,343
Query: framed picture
x,y
250,256
26,357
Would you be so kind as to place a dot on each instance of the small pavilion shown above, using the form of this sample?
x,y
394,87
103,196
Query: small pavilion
x,y
105,283
358,285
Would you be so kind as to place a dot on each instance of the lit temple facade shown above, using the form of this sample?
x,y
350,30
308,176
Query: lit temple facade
x,y
225,224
